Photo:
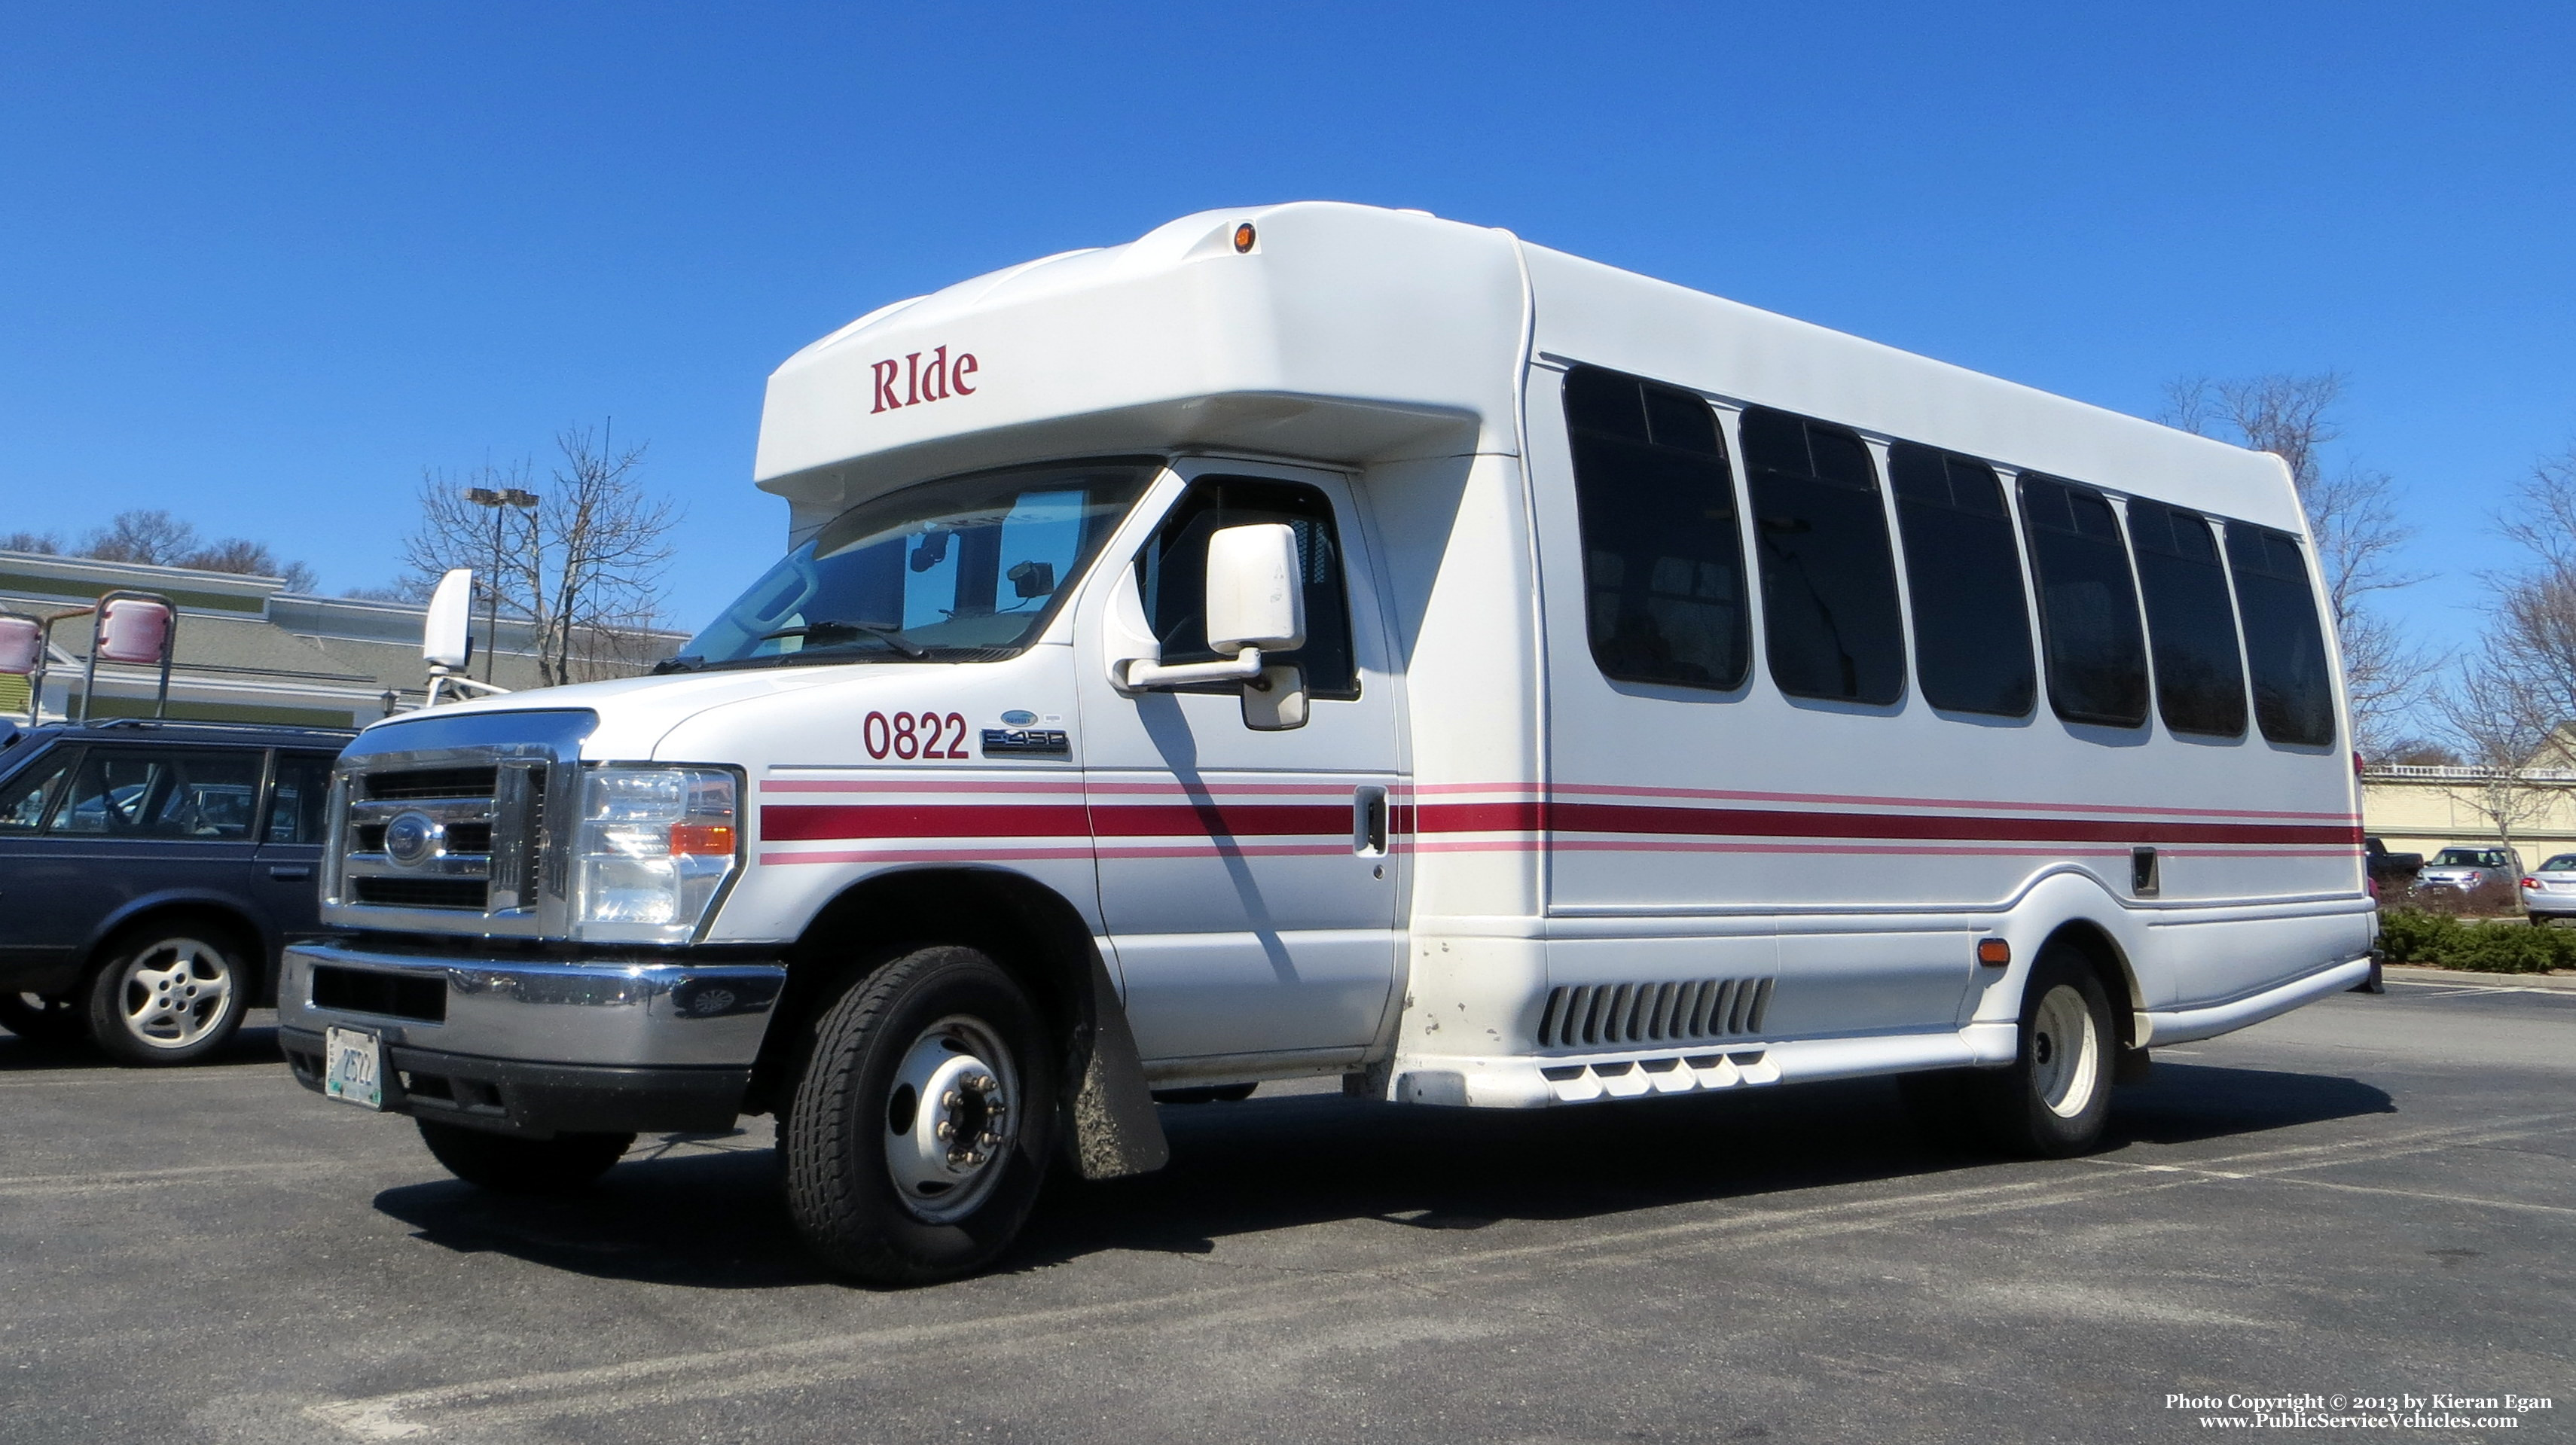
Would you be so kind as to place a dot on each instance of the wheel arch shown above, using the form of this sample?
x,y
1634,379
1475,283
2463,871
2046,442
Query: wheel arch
x,y
1029,929
156,909
2110,963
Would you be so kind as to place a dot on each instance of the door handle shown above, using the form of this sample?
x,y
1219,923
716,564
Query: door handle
x,y
290,875
1368,821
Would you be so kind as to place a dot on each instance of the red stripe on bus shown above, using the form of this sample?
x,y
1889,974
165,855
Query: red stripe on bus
x,y
1533,817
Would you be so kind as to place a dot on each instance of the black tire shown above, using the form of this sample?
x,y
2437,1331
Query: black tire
x,y
509,1164
41,1019
859,1112
168,993
2055,1097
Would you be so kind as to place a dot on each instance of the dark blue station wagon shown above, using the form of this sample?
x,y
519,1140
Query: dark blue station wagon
x,y
149,874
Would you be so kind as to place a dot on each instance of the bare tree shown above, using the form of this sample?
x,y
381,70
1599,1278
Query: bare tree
x,y
582,569
151,537
240,554
2507,729
2352,513
156,538
47,544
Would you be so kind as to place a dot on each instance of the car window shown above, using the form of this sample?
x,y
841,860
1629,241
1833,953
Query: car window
x,y
2563,863
1171,576
2088,604
1971,620
200,795
1663,564
24,798
295,809
1830,627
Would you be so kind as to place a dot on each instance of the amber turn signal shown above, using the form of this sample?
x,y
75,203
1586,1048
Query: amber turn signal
x,y
1243,237
701,839
1993,952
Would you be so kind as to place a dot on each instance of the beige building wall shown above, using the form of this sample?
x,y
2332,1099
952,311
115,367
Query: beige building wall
x,y
2423,810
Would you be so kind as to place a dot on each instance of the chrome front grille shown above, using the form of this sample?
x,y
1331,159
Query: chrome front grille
x,y
442,824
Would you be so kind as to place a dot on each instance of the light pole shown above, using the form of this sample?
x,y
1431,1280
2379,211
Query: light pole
x,y
496,499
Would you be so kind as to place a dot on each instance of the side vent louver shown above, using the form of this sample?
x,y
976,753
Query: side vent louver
x,y
1623,1015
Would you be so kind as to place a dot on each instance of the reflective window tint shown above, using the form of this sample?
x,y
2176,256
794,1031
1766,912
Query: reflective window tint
x,y
2284,644
2191,625
1971,620
1829,615
2088,604
1663,564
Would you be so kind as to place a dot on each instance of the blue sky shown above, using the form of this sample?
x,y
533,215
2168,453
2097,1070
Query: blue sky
x,y
261,265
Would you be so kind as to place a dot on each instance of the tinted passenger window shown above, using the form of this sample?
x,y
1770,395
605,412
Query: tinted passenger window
x,y
24,798
2293,695
1971,620
1829,614
2191,626
1172,575
2088,604
153,793
1663,564
295,809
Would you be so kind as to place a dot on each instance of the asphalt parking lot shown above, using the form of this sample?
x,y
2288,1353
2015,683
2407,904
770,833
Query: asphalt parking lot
x,y
2374,1196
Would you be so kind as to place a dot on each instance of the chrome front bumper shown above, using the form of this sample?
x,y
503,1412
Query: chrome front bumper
x,y
633,1013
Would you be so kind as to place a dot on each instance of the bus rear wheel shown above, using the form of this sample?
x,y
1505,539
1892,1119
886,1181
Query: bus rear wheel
x,y
2053,1100
920,1131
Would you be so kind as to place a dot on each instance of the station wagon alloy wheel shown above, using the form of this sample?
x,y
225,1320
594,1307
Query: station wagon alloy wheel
x,y
168,998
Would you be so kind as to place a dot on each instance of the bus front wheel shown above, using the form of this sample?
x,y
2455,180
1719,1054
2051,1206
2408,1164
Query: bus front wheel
x,y
920,1131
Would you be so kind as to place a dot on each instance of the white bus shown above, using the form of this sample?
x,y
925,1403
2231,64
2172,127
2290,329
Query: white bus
x,y
1320,640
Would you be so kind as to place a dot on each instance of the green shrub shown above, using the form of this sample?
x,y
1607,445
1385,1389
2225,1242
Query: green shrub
x,y
2408,935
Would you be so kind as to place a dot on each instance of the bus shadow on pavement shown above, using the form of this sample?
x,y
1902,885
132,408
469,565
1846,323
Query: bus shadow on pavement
x,y
710,1215
1263,1165
705,1217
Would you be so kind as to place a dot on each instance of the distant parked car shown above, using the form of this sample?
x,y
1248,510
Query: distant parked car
x,y
2390,869
2549,891
2470,869
149,874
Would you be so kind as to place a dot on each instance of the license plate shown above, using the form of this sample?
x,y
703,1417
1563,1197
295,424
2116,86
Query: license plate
x,y
353,1069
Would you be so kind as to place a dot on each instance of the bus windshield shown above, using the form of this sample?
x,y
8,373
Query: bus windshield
x,y
967,569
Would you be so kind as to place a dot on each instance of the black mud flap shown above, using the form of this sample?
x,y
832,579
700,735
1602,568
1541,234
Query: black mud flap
x,y
1114,1130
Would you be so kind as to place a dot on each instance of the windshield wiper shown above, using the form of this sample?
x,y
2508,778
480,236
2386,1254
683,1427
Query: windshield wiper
x,y
887,636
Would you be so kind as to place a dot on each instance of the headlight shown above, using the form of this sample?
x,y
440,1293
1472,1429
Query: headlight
x,y
655,847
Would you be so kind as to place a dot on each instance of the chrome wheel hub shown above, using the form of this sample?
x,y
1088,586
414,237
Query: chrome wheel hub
x,y
950,1119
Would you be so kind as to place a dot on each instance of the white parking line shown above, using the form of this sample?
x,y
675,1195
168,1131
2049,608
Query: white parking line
x,y
612,1389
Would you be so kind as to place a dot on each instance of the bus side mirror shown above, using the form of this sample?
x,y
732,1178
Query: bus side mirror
x,y
445,643
1254,596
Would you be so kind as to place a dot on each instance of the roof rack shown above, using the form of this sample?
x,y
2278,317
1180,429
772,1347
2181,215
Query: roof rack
x,y
219,723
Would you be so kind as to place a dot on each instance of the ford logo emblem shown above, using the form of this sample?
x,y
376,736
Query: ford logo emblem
x,y
411,837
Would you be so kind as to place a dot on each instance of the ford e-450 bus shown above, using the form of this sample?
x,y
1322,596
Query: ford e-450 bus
x,y
1326,641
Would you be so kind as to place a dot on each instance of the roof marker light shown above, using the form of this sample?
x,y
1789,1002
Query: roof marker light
x,y
1244,236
